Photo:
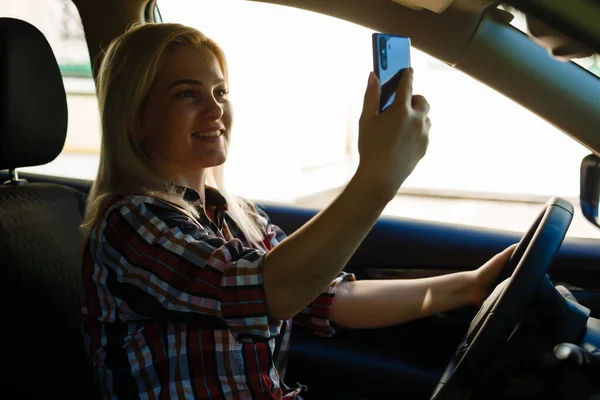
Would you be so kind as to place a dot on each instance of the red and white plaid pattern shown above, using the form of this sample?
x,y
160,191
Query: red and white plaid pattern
x,y
176,308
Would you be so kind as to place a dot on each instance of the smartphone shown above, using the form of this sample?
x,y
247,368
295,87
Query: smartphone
x,y
391,55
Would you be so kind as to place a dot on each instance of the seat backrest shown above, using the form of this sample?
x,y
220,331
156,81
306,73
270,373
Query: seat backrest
x,y
41,291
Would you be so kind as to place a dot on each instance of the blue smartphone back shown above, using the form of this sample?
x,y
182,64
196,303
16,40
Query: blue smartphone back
x,y
391,55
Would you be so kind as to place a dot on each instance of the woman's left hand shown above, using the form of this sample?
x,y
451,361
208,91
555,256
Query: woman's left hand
x,y
485,276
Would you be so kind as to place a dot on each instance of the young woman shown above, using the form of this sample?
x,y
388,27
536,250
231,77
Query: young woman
x,y
190,290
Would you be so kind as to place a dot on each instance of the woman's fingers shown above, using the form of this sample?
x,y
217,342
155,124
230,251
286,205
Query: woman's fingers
x,y
419,103
404,95
371,101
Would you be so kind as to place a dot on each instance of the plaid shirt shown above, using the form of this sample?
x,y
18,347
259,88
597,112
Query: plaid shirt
x,y
175,307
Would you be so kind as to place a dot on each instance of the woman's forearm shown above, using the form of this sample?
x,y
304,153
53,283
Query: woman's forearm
x,y
380,303
304,264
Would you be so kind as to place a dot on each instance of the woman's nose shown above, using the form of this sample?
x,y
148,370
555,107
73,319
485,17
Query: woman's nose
x,y
213,108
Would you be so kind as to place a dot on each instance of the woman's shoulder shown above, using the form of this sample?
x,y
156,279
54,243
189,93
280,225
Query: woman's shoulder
x,y
144,207
143,201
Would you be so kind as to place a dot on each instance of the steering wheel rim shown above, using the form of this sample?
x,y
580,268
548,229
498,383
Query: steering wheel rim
x,y
501,313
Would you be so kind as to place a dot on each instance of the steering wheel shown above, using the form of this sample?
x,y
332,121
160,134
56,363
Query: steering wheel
x,y
501,313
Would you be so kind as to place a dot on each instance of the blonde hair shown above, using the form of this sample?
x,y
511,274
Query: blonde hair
x,y
126,74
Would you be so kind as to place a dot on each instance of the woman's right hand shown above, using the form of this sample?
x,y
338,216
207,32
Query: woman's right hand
x,y
392,143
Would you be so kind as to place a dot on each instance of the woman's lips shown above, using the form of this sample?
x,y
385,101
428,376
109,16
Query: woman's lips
x,y
208,136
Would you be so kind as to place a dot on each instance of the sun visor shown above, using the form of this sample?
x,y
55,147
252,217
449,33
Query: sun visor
x,y
558,44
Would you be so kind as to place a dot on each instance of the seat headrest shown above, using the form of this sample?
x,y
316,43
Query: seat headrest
x,y
33,103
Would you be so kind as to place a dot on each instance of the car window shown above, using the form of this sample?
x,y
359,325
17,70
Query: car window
x,y
60,23
297,95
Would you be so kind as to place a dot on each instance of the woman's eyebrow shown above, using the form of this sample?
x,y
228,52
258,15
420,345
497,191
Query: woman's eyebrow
x,y
187,81
194,82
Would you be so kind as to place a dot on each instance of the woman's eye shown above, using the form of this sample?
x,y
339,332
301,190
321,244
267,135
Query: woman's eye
x,y
185,93
222,92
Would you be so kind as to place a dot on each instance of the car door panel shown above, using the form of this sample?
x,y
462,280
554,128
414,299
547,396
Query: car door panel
x,y
401,247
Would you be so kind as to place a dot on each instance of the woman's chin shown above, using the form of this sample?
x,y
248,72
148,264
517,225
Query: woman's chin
x,y
215,161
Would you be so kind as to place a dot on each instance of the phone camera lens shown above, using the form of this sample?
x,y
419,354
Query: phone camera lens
x,y
383,52
382,42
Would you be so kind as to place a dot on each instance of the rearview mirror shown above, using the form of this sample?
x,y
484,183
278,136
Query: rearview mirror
x,y
589,192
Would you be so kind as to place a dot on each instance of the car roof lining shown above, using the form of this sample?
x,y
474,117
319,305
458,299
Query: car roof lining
x,y
439,6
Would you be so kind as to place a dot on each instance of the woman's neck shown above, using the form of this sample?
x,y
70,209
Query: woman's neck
x,y
193,181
